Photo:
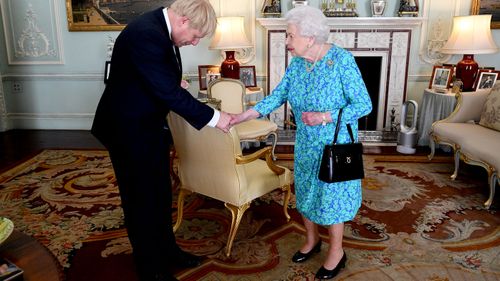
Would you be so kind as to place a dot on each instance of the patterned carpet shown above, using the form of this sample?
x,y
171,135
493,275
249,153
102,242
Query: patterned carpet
x,y
415,223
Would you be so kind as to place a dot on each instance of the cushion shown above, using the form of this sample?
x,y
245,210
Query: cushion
x,y
490,117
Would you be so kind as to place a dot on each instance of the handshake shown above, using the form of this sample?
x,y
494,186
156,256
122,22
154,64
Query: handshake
x,y
227,120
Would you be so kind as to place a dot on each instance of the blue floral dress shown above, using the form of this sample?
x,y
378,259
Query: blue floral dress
x,y
334,82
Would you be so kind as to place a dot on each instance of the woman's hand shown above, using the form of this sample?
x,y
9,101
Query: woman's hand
x,y
244,116
316,118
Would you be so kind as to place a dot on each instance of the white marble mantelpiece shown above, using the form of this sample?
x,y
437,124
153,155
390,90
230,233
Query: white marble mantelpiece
x,y
385,37
354,22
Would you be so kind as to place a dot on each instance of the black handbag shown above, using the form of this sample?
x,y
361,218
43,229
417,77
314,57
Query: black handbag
x,y
342,162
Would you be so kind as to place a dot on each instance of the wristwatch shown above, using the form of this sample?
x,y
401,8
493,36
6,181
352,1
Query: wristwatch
x,y
323,123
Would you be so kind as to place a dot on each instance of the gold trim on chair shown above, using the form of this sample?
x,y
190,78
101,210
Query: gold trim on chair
x,y
211,163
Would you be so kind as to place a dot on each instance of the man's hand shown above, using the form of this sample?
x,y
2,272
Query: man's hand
x,y
224,121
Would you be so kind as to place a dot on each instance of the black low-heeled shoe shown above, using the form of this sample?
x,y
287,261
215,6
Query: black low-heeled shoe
x,y
324,273
301,257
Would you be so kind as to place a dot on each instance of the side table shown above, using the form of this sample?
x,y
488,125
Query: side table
x,y
32,257
434,106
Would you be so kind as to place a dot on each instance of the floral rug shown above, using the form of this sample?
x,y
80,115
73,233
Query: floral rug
x,y
415,223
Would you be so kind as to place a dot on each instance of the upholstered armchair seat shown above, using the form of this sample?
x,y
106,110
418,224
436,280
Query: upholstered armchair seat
x,y
211,163
255,129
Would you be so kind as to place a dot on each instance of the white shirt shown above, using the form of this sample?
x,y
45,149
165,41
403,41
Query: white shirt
x,y
215,118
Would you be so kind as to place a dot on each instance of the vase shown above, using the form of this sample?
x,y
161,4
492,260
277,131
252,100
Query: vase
x,y
378,8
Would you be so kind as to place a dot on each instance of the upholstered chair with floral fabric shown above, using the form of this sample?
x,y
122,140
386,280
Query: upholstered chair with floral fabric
x,y
210,162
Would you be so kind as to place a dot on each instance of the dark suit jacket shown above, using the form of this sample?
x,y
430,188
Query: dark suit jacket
x,y
144,85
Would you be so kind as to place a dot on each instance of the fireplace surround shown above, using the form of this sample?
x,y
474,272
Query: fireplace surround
x,y
386,38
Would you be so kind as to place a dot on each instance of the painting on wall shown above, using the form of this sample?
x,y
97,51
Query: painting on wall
x,y
91,15
487,7
32,32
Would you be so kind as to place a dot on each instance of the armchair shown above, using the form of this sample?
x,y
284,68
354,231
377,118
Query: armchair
x,y
211,163
232,92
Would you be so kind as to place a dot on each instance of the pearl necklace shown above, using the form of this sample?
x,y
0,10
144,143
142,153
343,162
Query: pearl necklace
x,y
310,68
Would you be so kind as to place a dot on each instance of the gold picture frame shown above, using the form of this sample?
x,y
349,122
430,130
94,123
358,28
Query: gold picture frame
x,y
83,15
482,7
207,73
441,77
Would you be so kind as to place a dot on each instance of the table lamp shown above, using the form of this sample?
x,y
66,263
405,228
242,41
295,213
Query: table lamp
x,y
470,35
230,35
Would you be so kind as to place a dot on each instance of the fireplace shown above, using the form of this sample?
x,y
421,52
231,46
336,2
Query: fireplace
x,y
376,43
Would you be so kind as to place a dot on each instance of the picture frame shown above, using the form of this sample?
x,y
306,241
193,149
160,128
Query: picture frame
x,y
207,70
247,75
271,8
486,79
441,77
112,15
212,77
107,69
487,7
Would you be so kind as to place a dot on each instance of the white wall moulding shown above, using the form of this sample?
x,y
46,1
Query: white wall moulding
x,y
388,38
437,29
41,121
33,38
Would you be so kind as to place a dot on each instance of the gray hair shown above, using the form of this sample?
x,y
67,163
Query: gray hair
x,y
310,22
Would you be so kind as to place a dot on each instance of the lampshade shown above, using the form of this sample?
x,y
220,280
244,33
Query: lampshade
x,y
470,35
230,35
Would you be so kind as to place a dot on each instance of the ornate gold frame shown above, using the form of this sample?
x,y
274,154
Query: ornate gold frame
x,y
79,26
476,5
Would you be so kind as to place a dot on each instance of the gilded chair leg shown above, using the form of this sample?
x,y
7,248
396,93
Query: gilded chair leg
x,y
236,215
493,178
180,208
287,191
457,163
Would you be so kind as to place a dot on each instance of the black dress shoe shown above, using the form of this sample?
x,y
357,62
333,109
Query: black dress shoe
x,y
324,273
301,257
187,260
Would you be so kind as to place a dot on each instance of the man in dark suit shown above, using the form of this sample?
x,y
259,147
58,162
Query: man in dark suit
x,y
144,85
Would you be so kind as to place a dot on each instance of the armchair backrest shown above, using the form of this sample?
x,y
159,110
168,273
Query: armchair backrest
x,y
230,92
207,160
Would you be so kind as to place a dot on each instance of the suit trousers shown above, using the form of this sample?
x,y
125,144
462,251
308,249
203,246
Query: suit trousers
x,y
141,165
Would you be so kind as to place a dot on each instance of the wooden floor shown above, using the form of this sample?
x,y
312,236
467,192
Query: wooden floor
x,y
19,145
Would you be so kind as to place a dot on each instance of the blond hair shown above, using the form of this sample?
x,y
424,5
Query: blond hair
x,y
201,14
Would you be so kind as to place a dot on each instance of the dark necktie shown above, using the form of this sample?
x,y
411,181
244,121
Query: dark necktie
x,y
178,56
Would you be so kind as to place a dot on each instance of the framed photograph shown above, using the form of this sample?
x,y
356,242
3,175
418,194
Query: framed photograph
x,y
486,80
212,77
271,8
107,68
441,77
91,15
487,7
206,72
247,75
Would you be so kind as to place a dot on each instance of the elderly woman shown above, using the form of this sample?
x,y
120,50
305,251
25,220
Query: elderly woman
x,y
320,80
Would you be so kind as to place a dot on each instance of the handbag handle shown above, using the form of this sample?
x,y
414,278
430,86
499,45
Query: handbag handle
x,y
337,128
